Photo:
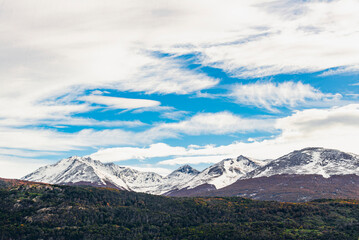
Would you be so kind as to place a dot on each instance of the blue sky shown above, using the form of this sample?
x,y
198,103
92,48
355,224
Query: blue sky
x,y
158,84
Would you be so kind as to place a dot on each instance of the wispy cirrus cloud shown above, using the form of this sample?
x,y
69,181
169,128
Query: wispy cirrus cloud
x,y
294,37
216,123
119,102
126,153
195,160
270,95
341,70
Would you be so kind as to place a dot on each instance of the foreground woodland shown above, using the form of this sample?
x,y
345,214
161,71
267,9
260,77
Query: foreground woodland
x,y
41,211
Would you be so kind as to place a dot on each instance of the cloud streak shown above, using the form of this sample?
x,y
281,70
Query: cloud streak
x,y
120,103
270,95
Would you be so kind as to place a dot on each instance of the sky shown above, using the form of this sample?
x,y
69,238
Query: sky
x,y
156,84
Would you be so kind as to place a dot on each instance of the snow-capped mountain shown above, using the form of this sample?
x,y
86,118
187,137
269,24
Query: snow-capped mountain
x,y
75,170
186,181
223,173
138,181
320,161
302,175
182,173
86,171
176,178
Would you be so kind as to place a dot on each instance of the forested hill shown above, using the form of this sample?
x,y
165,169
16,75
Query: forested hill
x,y
41,211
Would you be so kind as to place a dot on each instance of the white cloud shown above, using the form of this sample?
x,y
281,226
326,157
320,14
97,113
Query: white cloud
x,y
314,121
51,140
246,38
155,150
216,123
166,112
154,109
322,36
24,153
23,111
174,115
203,123
269,95
195,160
14,167
64,122
166,76
120,103
335,128
126,153
330,128
341,70
151,168
79,53
72,121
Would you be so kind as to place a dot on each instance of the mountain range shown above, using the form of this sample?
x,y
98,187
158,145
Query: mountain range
x,y
86,171
301,175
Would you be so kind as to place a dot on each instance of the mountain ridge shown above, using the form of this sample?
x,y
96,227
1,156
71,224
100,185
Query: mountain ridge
x,y
87,171
321,161
307,161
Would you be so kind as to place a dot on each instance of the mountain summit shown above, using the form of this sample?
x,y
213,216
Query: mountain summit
x,y
79,171
187,169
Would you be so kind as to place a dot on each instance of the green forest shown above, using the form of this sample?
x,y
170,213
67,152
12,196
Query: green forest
x,y
41,211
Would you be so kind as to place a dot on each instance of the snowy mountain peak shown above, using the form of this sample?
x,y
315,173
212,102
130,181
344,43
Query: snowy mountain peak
x,y
240,157
76,170
312,149
85,160
223,173
187,169
78,158
321,161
